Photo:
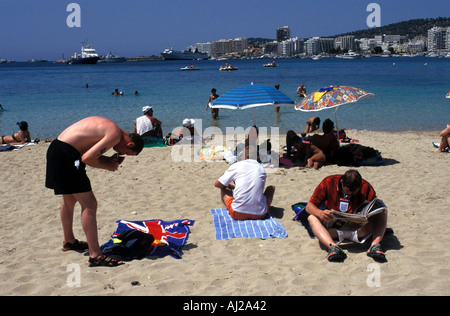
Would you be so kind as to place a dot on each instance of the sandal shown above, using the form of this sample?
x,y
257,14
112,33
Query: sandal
x,y
335,254
79,246
104,261
376,253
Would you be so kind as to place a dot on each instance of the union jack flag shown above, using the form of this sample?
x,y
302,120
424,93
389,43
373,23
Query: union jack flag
x,y
170,236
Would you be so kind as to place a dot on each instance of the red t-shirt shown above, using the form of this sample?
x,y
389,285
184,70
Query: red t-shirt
x,y
329,193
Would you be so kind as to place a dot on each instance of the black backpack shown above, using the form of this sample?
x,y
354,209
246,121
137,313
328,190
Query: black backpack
x,y
133,244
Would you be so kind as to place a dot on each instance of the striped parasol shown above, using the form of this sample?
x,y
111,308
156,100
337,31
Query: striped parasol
x,y
250,96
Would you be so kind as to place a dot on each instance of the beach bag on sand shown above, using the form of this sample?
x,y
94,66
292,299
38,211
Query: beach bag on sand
x,y
132,244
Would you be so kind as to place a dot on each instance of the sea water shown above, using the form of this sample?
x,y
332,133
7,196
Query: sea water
x,y
409,93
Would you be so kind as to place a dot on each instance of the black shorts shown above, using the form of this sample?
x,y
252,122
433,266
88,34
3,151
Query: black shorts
x,y
66,174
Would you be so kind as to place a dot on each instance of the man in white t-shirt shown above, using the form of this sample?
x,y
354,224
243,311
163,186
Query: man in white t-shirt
x,y
246,199
147,125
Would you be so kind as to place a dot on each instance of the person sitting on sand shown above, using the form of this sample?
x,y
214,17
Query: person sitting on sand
x,y
19,138
245,199
188,129
305,152
345,193
147,125
84,143
312,124
445,140
327,142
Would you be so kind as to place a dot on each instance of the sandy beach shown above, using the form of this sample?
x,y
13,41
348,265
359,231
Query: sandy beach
x,y
413,182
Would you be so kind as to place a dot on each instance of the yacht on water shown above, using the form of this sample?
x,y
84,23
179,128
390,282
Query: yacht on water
x,y
170,54
87,56
351,55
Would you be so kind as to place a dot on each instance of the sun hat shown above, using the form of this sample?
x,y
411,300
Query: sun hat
x,y
187,122
146,108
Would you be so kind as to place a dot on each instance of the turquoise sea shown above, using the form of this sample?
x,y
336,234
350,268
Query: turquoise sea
x,y
409,93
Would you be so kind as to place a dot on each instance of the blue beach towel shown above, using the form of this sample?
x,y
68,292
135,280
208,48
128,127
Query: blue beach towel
x,y
226,227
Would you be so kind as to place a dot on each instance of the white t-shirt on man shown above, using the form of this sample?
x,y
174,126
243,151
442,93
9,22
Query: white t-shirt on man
x,y
143,125
249,178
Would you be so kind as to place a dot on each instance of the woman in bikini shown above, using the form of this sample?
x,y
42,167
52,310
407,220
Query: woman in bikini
x,y
19,138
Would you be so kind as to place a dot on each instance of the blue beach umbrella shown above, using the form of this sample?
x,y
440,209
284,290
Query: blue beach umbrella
x,y
250,96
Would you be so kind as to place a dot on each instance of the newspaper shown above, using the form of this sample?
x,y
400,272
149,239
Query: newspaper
x,y
351,222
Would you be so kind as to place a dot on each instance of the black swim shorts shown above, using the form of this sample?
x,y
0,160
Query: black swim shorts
x,y
66,174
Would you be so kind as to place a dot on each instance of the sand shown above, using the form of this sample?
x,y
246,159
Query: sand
x,y
413,182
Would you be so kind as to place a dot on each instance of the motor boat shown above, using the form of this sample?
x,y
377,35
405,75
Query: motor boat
x,y
87,56
351,55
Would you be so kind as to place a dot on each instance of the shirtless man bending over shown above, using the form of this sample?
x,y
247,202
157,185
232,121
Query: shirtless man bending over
x,y
84,143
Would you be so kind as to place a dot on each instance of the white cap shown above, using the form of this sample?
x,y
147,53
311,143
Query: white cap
x,y
187,122
146,108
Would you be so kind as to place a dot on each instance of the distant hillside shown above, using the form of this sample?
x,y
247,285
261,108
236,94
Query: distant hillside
x,y
410,28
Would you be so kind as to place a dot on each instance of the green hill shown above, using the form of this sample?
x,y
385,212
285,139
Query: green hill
x,y
410,28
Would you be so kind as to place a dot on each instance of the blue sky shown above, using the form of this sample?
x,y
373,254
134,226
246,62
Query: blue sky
x,y
38,29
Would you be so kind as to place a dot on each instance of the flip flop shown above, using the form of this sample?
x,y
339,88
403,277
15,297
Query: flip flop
x,y
376,253
335,254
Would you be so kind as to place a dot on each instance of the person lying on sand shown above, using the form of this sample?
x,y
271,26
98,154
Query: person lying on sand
x,y
19,138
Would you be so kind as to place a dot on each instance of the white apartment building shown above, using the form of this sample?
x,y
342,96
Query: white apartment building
x,y
345,42
439,39
290,47
204,48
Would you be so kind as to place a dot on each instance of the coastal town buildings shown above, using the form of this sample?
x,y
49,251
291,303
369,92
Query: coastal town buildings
x,y
437,42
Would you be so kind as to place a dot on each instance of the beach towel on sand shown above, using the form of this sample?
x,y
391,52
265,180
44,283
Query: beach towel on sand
x,y
6,147
226,227
169,237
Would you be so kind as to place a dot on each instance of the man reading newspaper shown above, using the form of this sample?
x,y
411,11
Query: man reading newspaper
x,y
341,195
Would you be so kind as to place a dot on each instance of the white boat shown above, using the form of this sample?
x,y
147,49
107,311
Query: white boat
x,y
37,60
88,55
448,55
111,58
170,54
351,55
189,68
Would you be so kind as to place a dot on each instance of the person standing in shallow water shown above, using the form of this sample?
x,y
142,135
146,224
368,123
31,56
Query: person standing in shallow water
x,y
212,97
